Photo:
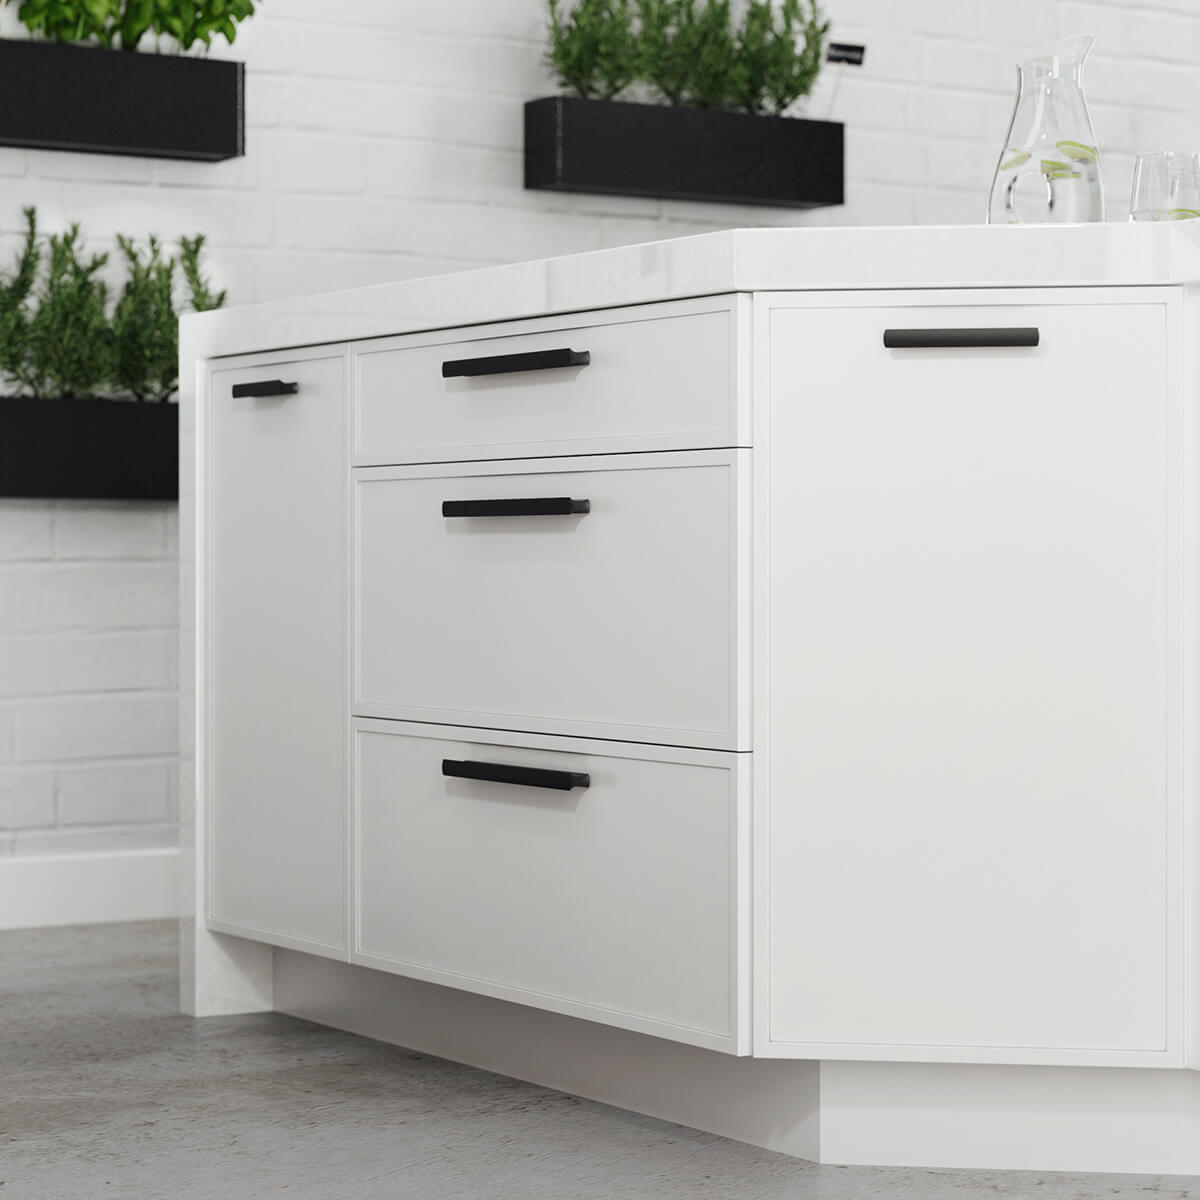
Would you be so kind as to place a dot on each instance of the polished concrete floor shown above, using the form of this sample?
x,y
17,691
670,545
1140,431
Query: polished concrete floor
x,y
105,1090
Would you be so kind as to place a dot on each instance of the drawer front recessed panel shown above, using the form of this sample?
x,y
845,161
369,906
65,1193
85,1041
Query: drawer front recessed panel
x,y
603,884
655,377
600,600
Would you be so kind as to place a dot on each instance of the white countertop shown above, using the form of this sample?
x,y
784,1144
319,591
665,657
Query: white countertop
x,y
742,260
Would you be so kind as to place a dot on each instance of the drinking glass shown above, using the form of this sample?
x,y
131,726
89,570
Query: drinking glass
x,y
1166,186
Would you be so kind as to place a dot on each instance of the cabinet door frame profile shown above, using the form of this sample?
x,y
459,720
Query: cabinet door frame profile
x,y
1180,852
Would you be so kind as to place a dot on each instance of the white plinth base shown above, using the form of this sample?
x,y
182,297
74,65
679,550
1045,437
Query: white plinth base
x,y
1011,1118
1008,1118
771,1104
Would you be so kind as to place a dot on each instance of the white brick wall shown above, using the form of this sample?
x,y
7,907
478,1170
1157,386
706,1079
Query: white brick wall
x,y
88,675
384,141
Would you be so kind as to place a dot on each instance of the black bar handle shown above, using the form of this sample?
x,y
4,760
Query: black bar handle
x,y
535,506
506,364
265,387
560,781
958,339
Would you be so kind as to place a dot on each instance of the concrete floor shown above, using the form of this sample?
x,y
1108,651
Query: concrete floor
x,y
105,1090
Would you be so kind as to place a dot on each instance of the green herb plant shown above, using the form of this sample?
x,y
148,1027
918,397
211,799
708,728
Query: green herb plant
x,y
686,52
14,296
126,22
145,343
68,340
67,20
778,55
593,50
690,52
200,294
57,337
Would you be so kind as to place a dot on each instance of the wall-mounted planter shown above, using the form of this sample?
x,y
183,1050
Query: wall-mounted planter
x,y
101,101
72,449
621,149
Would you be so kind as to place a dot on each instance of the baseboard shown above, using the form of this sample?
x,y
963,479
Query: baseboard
x,y
766,1102
933,1116
88,889
951,1115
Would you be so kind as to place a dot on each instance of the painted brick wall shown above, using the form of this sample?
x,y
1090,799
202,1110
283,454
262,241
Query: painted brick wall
x,y
384,141
88,683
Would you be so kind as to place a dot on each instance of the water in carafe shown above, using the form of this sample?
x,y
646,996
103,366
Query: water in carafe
x,y
1049,167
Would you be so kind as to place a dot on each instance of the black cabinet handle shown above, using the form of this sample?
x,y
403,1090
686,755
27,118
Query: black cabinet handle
x,y
560,781
535,506
265,387
958,339
506,364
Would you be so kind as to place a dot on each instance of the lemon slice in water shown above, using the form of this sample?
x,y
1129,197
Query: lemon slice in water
x,y
1053,169
1078,151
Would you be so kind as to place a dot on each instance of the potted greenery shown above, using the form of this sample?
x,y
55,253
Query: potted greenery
x,y
79,84
718,131
88,414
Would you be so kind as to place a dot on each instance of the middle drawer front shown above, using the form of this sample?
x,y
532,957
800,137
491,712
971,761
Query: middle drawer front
x,y
622,622
621,898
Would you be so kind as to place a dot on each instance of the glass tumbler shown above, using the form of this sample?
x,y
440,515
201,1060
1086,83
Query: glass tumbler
x,y
1166,186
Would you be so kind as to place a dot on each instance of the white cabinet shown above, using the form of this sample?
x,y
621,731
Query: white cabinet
x,y
598,879
274,691
912,619
974,692
540,599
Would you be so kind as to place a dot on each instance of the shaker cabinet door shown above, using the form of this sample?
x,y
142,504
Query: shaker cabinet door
x,y
974,661
276,629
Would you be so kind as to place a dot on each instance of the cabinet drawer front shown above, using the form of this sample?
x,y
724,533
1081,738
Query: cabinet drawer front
x,y
616,900
657,377
619,621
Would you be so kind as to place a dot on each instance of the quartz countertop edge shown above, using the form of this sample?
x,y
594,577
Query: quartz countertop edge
x,y
739,260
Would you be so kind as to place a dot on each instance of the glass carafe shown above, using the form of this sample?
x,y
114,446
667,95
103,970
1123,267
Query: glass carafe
x,y
1049,168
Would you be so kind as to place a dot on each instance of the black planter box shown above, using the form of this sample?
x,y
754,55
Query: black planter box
x,y
71,449
620,149
86,98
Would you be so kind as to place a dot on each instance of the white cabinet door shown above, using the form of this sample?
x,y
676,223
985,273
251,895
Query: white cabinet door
x,y
598,879
974,632
276,628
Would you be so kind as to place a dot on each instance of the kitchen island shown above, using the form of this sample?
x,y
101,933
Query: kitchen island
x,y
747,679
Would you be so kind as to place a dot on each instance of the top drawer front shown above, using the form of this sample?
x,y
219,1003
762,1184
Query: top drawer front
x,y
660,377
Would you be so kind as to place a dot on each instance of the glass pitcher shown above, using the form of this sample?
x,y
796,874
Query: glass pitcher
x,y
1049,168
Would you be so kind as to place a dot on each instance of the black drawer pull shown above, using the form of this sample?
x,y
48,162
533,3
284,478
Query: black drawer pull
x,y
535,506
265,387
958,339
506,364
560,781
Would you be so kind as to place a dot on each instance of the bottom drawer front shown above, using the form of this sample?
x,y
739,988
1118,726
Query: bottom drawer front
x,y
601,885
